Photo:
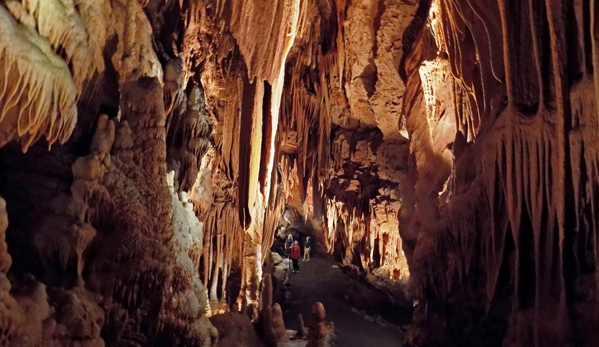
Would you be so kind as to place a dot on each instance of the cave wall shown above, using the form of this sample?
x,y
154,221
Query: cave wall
x,y
341,130
149,149
103,252
501,111
157,184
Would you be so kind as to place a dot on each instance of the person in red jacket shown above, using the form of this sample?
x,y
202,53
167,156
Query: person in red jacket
x,y
295,255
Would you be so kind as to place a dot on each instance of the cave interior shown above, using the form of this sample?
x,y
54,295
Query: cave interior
x,y
154,154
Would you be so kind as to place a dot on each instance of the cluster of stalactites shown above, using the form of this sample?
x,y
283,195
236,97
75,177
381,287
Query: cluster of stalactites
x,y
477,70
376,230
351,220
223,239
187,129
40,86
306,115
538,177
37,94
79,30
248,137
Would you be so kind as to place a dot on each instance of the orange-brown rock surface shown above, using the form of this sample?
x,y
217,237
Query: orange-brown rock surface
x,y
149,148
500,188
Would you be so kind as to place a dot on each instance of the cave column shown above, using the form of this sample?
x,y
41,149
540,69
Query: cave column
x,y
251,274
258,180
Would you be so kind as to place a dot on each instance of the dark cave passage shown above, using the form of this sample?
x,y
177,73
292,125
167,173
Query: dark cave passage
x,y
362,315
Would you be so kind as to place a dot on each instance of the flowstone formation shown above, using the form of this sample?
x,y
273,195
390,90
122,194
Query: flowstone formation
x,y
499,200
149,148
347,155
105,254
156,211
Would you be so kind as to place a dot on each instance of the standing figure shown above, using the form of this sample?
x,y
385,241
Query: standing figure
x,y
307,246
295,255
288,243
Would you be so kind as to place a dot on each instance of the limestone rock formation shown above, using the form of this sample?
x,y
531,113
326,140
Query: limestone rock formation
x,y
319,334
148,149
302,331
235,329
499,190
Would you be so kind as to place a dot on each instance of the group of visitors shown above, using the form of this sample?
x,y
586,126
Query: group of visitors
x,y
292,248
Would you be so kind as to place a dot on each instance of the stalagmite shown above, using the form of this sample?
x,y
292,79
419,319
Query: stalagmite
x,y
302,331
278,324
318,329
267,328
5,259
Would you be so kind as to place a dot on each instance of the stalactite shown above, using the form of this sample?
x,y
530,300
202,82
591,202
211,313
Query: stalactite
x,y
173,75
222,247
533,153
217,267
263,56
187,127
38,94
76,30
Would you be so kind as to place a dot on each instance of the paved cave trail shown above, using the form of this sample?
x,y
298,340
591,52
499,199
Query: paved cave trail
x,y
322,280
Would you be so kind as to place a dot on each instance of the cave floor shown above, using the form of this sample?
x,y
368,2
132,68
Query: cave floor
x,y
322,280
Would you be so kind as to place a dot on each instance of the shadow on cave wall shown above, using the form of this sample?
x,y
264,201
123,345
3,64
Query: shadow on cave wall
x,y
29,182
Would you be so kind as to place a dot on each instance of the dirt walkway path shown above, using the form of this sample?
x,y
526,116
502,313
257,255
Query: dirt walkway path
x,y
322,280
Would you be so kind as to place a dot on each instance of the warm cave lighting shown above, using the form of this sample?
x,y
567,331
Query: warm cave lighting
x,y
438,158
277,92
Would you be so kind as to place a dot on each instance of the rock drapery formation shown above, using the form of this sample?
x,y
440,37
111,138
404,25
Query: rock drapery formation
x,y
500,193
119,253
149,148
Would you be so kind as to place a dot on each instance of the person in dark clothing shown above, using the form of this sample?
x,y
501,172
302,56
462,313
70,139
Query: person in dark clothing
x,y
307,247
295,255
288,243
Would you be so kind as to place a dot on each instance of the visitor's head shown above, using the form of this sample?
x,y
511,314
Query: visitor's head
x,y
295,242
308,238
289,236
